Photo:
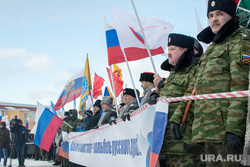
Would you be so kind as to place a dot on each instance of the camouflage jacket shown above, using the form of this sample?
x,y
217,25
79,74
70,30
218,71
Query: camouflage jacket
x,y
175,86
220,70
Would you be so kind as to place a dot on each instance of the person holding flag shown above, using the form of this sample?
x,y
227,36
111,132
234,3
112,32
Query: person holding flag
x,y
181,64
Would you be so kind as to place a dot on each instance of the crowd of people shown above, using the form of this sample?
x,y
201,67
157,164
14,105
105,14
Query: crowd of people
x,y
195,128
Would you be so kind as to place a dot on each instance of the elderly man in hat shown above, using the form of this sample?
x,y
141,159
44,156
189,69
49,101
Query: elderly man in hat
x,y
181,64
147,84
220,124
109,114
130,103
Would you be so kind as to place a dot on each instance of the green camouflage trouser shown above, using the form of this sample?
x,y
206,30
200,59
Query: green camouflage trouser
x,y
220,155
191,159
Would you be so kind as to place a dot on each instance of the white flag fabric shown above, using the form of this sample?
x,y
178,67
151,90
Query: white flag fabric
x,y
129,33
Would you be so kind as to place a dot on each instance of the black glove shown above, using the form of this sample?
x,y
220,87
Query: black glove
x,y
112,120
74,129
234,141
124,116
152,99
187,147
175,131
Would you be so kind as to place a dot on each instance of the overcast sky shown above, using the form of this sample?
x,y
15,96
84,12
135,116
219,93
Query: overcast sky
x,y
43,43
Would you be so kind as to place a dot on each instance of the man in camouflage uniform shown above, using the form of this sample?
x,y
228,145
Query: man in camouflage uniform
x,y
220,123
181,65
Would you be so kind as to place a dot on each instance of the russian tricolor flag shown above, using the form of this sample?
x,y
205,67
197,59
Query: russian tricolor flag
x,y
159,127
46,127
115,54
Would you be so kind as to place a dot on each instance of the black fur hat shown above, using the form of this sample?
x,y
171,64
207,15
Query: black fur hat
x,y
228,6
180,40
147,76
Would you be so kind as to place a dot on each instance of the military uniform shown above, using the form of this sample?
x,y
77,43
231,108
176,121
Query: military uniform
x,y
176,85
223,68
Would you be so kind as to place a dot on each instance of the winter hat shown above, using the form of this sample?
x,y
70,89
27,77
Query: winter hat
x,y
131,92
228,6
66,113
180,40
147,76
107,100
89,113
97,103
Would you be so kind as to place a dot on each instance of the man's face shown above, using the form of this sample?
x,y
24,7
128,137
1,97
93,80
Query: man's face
x,y
217,19
96,109
128,98
105,107
174,53
145,84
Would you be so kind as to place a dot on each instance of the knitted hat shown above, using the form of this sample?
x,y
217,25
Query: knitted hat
x,y
107,100
66,113
228,6
147,76
89,113
131,92
180,40
97,104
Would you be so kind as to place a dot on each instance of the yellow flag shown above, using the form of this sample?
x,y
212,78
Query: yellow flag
x,y
117,71
110,94
86,88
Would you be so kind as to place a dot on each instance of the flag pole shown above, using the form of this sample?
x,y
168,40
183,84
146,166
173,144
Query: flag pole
x,y
130,74
116,105
144,37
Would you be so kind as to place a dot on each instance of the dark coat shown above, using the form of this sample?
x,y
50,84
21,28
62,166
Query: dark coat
x,y
4,136
93,122
107,115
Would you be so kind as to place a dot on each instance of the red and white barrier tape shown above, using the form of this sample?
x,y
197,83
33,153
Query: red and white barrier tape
x,y
208,96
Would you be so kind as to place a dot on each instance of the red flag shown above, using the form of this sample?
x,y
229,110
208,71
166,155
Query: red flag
x,y
117,82
97,85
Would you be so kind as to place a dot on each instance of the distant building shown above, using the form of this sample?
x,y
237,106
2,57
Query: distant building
x,y
22,111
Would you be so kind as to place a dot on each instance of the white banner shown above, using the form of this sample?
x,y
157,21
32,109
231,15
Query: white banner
x,y
123,144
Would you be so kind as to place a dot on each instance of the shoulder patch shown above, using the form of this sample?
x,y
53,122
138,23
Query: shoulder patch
x,y
245,57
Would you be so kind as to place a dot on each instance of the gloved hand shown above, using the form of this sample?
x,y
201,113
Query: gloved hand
x,y
187,147
234,141
112,120
124,116
175,131
152,99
